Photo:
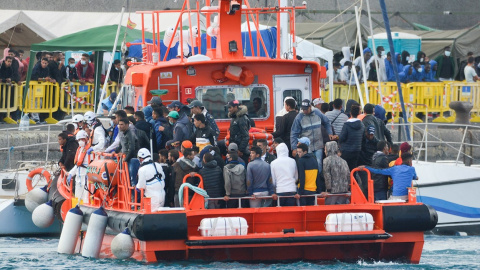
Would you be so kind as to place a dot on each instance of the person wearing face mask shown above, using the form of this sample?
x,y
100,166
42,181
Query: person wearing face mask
x,y
85,69
405,58
417,72
446,66
80,169
421,58
69,72
336,74
380,57
116,73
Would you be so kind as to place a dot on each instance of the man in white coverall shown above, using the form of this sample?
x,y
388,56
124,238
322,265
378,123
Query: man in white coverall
x,y
151,178
80,169
97,135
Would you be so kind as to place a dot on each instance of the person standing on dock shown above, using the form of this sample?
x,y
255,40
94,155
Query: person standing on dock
x,y
85,69
470,74
446,65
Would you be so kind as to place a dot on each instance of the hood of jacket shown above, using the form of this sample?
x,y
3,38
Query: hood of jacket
x,y
378,154
185,163
183,119
354,123
211,164
242,110
282,150
380,112
235,168
331,148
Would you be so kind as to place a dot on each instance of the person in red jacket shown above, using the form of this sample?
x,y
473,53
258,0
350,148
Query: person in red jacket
x,y
85,70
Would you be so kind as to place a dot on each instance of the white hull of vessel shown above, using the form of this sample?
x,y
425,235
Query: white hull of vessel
x,y
453,191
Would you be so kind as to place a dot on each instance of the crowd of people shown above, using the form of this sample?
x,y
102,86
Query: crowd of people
x,y
410,68
313,151
52,67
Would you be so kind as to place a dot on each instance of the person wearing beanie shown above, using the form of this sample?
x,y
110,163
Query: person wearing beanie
x,y
234,174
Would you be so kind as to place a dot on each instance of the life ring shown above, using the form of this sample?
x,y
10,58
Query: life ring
x,y
34,172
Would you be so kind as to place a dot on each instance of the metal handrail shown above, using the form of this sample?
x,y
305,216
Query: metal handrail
x,y
348,194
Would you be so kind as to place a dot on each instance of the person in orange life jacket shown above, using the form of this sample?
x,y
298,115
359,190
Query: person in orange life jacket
x,y
69,147
80,169
97,133
151,178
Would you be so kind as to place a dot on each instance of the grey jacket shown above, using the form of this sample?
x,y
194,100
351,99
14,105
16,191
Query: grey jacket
x,y
337,119
310,126
128,145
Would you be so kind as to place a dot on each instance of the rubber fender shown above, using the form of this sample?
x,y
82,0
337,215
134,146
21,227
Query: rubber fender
x,y
409,218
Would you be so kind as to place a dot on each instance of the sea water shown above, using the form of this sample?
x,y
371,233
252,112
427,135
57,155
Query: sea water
x,y
439,252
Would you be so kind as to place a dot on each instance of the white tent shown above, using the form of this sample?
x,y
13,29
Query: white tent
x,y
306,49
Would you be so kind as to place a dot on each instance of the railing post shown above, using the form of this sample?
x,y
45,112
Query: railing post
x,y
48,145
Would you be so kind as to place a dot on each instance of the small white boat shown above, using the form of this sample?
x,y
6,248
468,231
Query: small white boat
x,y
16,219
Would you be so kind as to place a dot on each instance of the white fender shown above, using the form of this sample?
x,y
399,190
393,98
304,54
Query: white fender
x,y
71,227
43,216
95,232
122,245
36,197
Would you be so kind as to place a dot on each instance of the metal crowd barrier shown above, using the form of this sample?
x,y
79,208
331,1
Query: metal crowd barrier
x,y
80,98
41,97
425,97
8,100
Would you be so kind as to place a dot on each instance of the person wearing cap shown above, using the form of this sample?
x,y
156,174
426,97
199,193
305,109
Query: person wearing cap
x,y
284,123
203,134
405,147
317,103
239,126
152,103
151,178
233,147
308,123
196,107
381,131
107,103
181,128
162,129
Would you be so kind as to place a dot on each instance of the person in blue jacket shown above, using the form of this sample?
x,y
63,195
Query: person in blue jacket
x,y
402,176
428,75
107,103
406,75
417,72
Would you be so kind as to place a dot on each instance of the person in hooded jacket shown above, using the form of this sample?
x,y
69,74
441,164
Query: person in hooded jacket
x,y
406,75
212,180
349,105
182,167
380,161
69,149
239,127
336,174
234,175
350,138
421,58
405,58
284,175
379,113
381,131
428,73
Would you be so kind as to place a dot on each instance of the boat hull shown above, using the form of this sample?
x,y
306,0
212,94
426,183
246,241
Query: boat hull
x,y
454,195
274,234
17,221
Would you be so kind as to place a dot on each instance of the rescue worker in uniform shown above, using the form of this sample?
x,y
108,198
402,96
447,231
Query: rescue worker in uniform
x,y
77,120
97,133
151,178
80,169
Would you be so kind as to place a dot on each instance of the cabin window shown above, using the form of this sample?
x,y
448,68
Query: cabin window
x,y
216,98
295,93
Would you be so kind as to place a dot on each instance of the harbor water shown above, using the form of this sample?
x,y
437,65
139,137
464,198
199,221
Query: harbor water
x,y
439,252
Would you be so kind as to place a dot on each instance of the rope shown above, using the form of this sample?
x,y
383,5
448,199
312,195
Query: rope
x,y
195,189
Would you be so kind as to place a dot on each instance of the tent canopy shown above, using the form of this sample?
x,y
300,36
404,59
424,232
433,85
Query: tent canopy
x,y
96,39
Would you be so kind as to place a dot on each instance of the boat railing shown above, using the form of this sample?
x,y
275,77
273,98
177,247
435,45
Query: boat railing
x,y
428,139
240,199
